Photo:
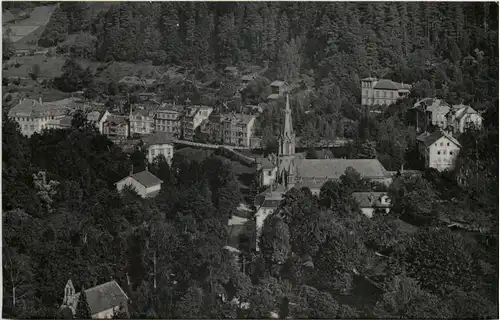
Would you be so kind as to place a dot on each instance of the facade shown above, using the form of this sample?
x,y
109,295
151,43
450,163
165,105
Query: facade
x,y
193,118
116,127
266,169
439,150
266,203
370,202
233,129
463,117
146,184
168,119
62,123
382,92
159,144
97,119
436,111
33,115
278,89
104,300
142,122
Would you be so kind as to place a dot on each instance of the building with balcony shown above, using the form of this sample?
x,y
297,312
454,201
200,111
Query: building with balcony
x,y
382,92
193,118
168,119
231,129
142,122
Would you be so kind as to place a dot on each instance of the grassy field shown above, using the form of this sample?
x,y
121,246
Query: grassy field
x,y
50,67
30,28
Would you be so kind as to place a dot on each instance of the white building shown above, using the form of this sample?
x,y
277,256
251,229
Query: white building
x,y
438,149
266,170
142,122
266,203
371,201
97,119
463,117
159,144
104,300
33,115
146,184
382,92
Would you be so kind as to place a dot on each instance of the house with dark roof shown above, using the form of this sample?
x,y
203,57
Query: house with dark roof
x,y
371,201
104,300
278,89
313,173
382,92
146,184
159,143
435,110
438,149
34,115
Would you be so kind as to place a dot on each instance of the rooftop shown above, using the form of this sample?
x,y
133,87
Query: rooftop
x,y
429,138
248,77
334,168
34,108
386,84
117,119
278,83
431,104
104,297
146,178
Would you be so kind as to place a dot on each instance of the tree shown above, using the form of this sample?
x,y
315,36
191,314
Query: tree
x,y
82,307
315,304
74,77
405,299
275,241
289,61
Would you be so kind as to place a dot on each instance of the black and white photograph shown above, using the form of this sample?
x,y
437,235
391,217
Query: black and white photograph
x,y
250,160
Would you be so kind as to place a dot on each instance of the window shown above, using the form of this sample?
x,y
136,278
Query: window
x,y
269,173
444,152
153,152
32,127
451,153
448,144
439,152
441,144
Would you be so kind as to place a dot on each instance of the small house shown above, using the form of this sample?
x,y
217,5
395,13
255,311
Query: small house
x,y
371,202
146,184
438,149
278,89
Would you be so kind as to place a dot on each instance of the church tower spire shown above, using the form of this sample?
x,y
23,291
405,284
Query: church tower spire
x,y
287,137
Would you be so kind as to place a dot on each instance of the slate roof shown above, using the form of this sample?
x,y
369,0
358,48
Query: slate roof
x,y
104,297
334,168
370,199
33,108
7,16
429,138
146,178
386,84
158,138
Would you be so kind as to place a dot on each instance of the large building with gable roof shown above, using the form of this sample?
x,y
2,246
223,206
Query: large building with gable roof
x,y
382,92
104,300
439,149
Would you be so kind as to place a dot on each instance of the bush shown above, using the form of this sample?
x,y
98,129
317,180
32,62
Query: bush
x,y
17,65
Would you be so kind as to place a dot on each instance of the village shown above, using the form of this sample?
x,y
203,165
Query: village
x,y
263,188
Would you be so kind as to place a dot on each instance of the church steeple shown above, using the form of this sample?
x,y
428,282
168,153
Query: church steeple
x,y
287,137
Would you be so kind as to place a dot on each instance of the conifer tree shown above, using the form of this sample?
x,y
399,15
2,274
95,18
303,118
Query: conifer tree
x,y
83,308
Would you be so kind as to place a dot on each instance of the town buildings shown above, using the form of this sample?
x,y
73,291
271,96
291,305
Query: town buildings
x,y
97,119
159,144
116,127
278,89
142,122
231,129
146,184
372,202
382,92
33,115
168,119
439,150
192,119
457,118
104,300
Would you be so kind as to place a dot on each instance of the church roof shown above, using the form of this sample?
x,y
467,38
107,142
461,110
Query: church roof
x,y
334,168
104,297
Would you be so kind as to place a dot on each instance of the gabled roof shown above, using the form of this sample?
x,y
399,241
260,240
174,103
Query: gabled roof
x,y
429,138
370,199
146,178
386,84
432,104
334,168
117,119
158,138
465,110
104,297
278,83
33,108
7,16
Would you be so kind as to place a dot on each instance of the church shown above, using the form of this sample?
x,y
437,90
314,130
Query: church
x,y
291,169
